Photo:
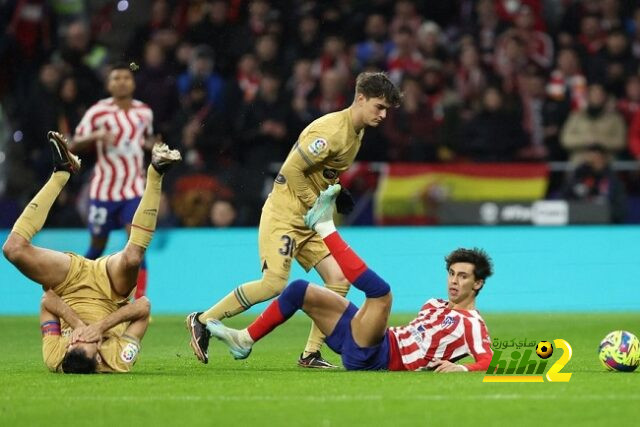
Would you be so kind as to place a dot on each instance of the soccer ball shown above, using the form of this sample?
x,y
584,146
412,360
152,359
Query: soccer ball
x,y
544,349
620,351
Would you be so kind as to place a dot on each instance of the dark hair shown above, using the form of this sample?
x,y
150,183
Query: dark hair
x,y
482,263
120,66
378,85
77,362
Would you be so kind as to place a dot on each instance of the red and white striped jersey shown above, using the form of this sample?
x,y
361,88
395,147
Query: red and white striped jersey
x,y
440,333
118,172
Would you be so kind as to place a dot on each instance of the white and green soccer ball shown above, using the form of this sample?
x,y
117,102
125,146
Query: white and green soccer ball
x,y
620,351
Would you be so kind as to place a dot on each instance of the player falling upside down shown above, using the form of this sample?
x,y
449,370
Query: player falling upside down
x,y
325,148
87,322
442,333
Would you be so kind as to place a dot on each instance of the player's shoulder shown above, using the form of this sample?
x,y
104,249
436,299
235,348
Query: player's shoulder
x,y
434,303
103,105
136,103
328,127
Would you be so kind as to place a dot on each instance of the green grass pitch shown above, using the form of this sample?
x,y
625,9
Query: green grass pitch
x,y
170,387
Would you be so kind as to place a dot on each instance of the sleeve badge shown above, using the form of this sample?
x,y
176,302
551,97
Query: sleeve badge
x,y
318,146
129,352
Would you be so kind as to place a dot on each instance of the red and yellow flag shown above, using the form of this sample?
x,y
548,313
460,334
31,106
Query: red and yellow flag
x,y
408,193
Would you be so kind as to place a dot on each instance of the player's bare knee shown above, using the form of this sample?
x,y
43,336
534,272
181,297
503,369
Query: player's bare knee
x,y
14,248
132,257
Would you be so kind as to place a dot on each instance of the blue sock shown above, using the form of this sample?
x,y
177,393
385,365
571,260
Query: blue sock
x,y
93,253
292,297
371,284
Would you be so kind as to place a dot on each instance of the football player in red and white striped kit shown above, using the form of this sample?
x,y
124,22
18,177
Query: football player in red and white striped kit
x,y
119,128
442,333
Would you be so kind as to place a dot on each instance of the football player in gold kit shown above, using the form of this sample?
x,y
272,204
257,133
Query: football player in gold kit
x,y
87,322
325,148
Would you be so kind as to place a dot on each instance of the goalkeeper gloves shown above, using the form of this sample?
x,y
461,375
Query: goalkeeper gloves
x,y
344,202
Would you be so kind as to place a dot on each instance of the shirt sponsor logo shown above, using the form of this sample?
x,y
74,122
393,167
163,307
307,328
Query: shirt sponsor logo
x,y
129,352
330,173
318,146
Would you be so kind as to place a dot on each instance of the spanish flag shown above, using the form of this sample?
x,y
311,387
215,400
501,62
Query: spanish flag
x,y
409,193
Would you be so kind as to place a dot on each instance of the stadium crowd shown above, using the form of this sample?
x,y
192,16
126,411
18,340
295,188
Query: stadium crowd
x,y
233,82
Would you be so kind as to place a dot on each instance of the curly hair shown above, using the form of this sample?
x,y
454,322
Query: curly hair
x,y
482,263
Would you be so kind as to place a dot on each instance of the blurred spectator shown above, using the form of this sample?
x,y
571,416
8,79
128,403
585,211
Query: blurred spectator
x,y
539,44
70,107
201,69
486,29
307,41
156,87
533,115
591,37
201,131
332,94
222,213
333,56
411,129
261,126
470,79
405,15
613,63
405,57
374,50
593,125
492,135
629,104
567,83
593,180
223,37
193,198
267,51
510,61
430,41
83,58
159,29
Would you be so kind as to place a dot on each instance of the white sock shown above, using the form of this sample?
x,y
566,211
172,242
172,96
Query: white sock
x,y
325,228
244,338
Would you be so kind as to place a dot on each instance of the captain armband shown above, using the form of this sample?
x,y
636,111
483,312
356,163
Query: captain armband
x,y
51,327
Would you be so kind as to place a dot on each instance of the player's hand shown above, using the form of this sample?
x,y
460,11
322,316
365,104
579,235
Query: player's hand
x,y
105,136
446,366
90,333
344,202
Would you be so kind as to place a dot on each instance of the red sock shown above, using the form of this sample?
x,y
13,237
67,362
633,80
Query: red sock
x,y
141,283
350,263
269,319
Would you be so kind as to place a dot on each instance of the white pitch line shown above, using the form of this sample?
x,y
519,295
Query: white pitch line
x,y
336,398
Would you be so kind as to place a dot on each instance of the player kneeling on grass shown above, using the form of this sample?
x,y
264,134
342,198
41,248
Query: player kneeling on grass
x,y
442,333
87,322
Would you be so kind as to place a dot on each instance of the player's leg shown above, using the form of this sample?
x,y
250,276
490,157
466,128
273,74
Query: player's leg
x,y
315,253
370,322
123,267
46,267
275,247
323,306
100,222
126,217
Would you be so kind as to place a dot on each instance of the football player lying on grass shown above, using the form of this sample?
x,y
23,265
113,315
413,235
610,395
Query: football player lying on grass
x,y
441,334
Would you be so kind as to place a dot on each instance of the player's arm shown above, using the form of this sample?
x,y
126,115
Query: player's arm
x,y
87,141
53,308
137,313
307,153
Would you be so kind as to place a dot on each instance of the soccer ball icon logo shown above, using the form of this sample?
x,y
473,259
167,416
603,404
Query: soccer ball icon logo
x,y
620,351
544,349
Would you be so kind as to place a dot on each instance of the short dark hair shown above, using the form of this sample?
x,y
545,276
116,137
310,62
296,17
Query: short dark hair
x,y
76,361
378,85
120,66
482,263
